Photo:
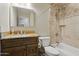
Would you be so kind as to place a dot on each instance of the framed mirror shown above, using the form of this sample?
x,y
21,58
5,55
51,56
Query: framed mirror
x,y
21,17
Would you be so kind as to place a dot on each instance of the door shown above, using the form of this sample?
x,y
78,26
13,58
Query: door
x,y
32,50
15,51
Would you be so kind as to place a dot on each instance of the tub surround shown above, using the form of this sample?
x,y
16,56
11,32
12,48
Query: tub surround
x,y
63,22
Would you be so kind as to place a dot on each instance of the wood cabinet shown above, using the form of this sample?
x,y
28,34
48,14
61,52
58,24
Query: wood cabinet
x,y
27,46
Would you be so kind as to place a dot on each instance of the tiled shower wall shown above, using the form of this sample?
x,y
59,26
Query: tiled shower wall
x,y
64,26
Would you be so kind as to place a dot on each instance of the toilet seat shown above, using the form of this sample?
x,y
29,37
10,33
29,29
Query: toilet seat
x,y
51,51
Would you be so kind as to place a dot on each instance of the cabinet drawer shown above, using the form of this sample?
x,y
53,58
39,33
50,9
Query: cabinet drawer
x,y
18,41
31,40
11,42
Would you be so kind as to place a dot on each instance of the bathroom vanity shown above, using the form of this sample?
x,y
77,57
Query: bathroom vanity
x,y
19,46
19,41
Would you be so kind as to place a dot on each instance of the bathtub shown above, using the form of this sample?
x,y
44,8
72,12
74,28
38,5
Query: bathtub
x,y
67,50
63,48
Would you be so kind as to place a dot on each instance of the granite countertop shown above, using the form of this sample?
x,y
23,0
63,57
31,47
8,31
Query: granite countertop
x,y
20,36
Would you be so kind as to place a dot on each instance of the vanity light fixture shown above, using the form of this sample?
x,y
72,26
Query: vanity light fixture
x,y
29,5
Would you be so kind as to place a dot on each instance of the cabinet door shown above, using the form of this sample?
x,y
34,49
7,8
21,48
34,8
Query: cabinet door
x,y
32,50
15,51
0,47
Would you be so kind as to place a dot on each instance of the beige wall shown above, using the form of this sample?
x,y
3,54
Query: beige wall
x,y
4,17
42,16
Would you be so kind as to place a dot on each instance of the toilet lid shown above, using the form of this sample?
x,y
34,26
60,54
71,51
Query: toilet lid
x,y
51,50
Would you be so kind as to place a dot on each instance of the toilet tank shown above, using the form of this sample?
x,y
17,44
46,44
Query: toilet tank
x,y
45,41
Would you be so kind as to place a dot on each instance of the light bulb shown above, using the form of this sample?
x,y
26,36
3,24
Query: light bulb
x,y
28,4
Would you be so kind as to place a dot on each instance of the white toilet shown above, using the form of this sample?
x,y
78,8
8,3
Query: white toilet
x,y
49,50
